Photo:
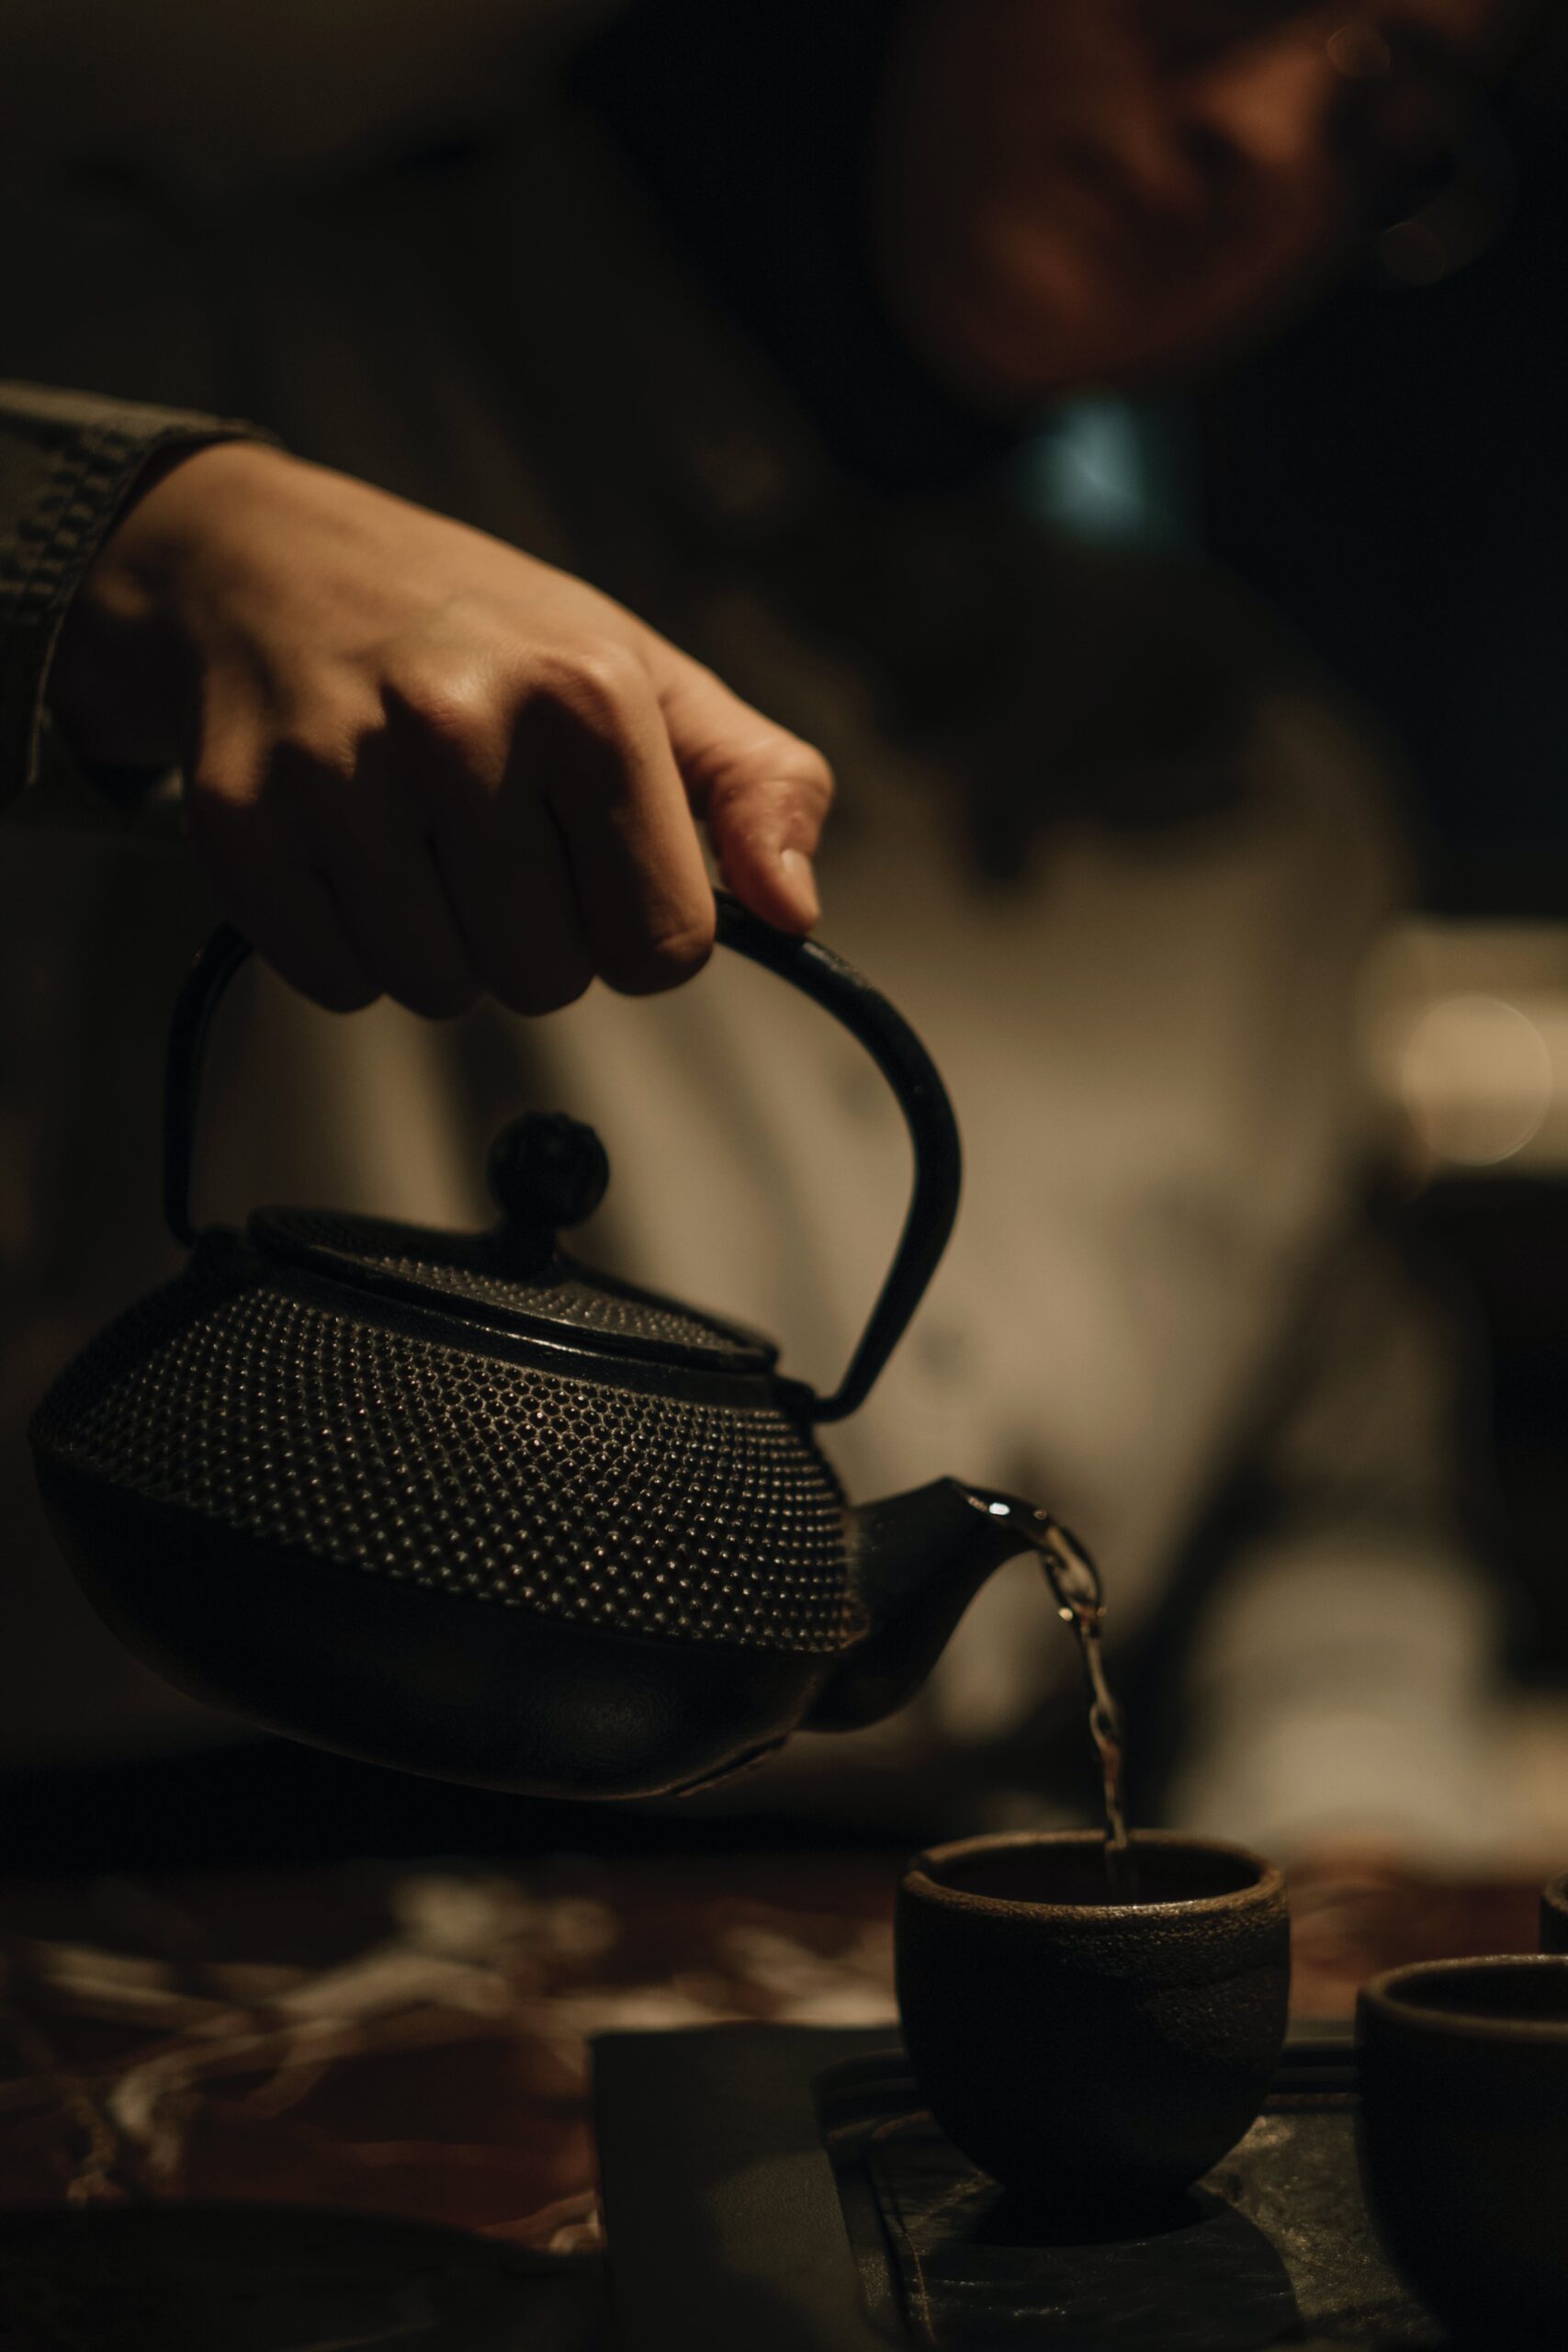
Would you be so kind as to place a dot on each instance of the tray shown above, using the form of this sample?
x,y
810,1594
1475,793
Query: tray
x,y
780,2187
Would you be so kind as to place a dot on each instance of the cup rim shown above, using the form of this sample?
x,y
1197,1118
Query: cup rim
x,y
918,1878
1381,1997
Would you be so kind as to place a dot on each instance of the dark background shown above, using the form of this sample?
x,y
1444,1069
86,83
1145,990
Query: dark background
x,y
1417,537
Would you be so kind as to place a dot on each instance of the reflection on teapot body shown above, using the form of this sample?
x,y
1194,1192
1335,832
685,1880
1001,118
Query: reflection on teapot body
x,y
455,1503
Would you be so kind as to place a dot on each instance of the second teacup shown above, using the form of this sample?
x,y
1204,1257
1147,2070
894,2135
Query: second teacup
x,y
1463,2137
1099,2052
1554,1914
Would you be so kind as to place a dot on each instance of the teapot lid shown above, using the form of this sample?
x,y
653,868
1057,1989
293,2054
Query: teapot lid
x,y
547,1170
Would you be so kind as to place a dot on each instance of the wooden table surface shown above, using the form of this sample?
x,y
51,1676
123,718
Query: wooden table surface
x,y
409,2041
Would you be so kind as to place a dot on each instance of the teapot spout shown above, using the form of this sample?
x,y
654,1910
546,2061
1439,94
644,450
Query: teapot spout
x,y
916,1562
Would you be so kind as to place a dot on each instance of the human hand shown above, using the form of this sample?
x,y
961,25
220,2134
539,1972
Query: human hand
x,y
417,761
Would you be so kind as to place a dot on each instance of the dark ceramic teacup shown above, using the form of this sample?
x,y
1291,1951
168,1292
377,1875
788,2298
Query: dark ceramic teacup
x,y
1463,2135
1098,2053
1554,1914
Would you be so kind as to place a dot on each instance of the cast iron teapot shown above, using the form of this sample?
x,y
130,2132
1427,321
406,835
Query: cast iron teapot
x,y
456,1503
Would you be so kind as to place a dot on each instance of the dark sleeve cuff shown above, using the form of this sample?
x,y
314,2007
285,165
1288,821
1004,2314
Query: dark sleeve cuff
x,y
68,463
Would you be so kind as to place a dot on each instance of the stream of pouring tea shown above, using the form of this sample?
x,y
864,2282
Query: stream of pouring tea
x,y
1080,1602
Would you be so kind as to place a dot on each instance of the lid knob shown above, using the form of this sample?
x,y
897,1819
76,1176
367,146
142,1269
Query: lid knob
x,y
547,1170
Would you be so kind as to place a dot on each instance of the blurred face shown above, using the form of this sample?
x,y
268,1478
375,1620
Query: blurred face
x,y
1072,193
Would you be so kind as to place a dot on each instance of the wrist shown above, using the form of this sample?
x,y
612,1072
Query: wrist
x,y
121,679
168,516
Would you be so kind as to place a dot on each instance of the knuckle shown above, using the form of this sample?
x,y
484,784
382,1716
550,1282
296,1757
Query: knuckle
x,y
779,776
438,691
663,961
224,781
810,774
596,680
733,806
447,706
328,740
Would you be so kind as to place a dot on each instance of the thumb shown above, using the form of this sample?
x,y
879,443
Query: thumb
x,y
762,792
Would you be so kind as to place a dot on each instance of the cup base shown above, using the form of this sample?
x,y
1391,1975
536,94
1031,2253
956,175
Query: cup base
x,y
1042,2213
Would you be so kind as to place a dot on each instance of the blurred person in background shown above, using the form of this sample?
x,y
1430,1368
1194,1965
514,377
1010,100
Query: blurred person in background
x,y
649,388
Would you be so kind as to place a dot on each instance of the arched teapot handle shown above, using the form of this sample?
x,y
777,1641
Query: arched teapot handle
x,y
807,965
909,1070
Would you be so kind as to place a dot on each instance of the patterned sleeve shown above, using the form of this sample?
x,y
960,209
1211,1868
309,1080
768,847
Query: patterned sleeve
x,y
68,463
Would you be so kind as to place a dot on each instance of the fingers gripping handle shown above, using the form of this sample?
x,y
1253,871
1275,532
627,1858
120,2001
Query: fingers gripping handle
x,y
817,972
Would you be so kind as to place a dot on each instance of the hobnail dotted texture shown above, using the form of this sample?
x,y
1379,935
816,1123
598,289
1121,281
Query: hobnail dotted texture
x,y
279,1417
462,1265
